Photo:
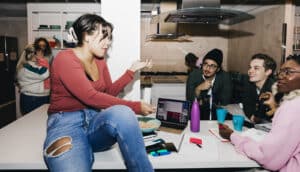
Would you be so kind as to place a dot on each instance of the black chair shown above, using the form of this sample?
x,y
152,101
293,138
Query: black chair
x,y
238,82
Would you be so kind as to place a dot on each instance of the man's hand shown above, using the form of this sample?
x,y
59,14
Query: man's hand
x,y
203,86
225,131
269,100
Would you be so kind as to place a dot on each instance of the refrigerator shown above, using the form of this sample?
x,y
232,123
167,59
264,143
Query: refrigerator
x,y
8,61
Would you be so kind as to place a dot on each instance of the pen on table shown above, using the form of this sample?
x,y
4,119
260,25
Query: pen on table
x,y
180,143
200,146
196,141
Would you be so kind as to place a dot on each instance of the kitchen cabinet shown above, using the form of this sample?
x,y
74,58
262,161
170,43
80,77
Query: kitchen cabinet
x,y
53,20
296,45
167,90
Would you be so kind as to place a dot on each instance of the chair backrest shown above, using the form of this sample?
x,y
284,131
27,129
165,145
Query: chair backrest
x,y
238,81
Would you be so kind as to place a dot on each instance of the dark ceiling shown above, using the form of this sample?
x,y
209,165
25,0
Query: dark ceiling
x,y
17,8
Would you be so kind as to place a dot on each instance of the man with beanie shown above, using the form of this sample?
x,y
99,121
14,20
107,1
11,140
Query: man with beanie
x,y
210,85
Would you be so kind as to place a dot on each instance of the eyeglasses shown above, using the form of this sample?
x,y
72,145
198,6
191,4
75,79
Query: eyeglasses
x,y
286,72
210,66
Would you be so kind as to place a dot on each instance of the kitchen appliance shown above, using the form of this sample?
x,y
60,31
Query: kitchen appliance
x,y
196,12
203,12
8,62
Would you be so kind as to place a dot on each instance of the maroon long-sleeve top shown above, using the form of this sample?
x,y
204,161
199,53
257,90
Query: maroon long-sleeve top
x,y
71,89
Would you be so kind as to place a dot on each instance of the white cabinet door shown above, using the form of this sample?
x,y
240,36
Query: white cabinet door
x,y
50,20
167,90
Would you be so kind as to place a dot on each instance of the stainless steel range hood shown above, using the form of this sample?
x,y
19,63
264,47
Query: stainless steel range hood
x,y
207,15
203,12
198,12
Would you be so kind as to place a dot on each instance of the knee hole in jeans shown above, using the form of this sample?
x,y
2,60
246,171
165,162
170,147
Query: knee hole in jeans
x,y
60,146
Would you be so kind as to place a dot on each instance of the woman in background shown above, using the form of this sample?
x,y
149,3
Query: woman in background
x,y
43,48
85,114
44,52
32,73
280,149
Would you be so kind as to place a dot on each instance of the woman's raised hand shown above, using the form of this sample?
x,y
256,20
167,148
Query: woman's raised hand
x,y
138,65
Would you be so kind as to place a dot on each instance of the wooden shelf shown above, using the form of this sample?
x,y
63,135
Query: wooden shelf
x,y
46,30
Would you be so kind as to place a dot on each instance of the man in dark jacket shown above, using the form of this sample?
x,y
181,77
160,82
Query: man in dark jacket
x,y
210,85
261,78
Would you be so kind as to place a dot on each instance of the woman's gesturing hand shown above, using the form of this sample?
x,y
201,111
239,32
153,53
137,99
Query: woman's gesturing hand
x,y
225,131
138,65
146,108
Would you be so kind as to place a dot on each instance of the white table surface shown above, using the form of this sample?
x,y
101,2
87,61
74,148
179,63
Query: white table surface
x,y
21,145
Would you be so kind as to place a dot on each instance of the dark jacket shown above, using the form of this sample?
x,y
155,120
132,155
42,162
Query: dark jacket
x,y
221,91
250,99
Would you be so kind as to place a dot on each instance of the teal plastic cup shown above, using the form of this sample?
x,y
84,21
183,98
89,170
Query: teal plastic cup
x,y
238,122
221,115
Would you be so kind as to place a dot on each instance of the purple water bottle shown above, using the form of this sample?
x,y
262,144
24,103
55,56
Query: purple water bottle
x,y
195,117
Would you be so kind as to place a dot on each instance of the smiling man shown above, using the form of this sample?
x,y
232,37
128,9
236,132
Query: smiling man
x,y
210,85
261,78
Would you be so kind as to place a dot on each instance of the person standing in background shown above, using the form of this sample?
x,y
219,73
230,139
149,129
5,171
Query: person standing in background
x,y
44,54
190,62
211,85
32,72
43,48
85,115
261,78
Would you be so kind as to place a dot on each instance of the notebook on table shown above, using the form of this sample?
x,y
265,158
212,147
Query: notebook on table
x,y
173,113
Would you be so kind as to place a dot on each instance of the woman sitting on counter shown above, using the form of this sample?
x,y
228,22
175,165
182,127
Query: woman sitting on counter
x,y
280,149
85,116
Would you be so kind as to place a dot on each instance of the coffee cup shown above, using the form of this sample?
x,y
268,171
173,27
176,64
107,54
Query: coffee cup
x,y
221,115
238,122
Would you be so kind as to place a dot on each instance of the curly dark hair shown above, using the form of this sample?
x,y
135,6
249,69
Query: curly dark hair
x,y
47,50
294,57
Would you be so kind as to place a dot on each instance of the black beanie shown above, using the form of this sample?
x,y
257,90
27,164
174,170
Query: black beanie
x,y
215,55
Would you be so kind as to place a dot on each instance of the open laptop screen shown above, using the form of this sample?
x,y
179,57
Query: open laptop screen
x,y
173,113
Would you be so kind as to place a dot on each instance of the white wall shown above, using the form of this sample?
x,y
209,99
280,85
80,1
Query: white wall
x,y
126,39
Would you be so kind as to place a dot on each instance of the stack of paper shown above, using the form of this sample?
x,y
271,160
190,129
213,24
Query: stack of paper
x,y
254,134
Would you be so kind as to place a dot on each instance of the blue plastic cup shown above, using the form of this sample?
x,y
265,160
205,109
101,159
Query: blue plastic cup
x,y
221,115
238,122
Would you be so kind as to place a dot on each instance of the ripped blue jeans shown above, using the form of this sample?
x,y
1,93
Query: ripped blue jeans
x,y
72,137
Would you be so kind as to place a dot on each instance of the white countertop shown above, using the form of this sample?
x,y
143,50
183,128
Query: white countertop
x,y
21,144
